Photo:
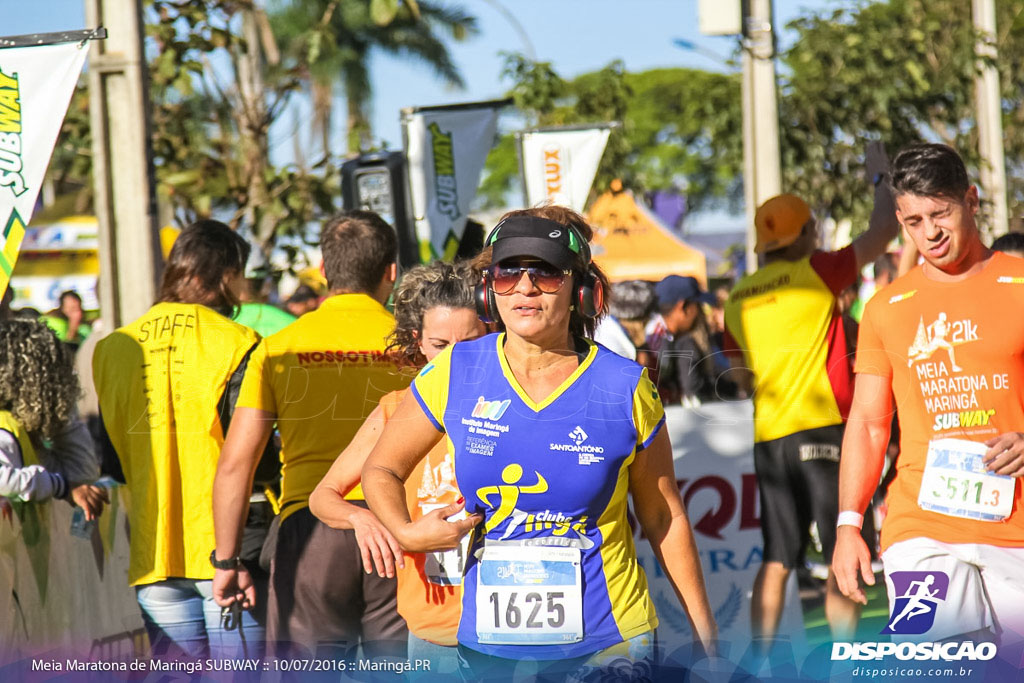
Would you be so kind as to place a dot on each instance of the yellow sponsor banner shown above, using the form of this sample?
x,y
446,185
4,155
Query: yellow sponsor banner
x,y
14,233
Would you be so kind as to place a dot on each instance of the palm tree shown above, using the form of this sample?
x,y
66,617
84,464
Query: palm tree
x,y
332,40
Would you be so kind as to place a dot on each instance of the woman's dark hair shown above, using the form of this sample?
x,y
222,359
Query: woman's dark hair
x,y
579,325
38,384
66,294
203,255
930,170
421,289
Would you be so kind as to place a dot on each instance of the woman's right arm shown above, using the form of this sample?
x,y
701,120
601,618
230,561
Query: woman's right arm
x,y
407,438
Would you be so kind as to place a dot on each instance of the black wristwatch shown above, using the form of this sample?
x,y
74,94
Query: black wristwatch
x,y
233,563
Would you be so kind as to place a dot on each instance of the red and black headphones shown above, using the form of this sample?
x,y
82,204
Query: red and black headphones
x,y
588,294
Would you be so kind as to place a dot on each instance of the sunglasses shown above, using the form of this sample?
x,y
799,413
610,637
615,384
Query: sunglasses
x,y
544,277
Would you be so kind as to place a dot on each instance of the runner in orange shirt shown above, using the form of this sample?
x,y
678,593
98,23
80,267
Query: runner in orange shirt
x,y
948,340
433,309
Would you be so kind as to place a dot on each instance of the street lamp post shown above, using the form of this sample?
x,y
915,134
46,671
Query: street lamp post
x,y
762,169
762,165
990,121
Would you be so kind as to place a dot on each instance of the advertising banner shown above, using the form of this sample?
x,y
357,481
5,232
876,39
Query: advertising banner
x,y
559,164
713,450
446,148
36,84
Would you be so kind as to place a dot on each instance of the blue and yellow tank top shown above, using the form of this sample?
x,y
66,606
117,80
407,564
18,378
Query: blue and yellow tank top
x,y
552,570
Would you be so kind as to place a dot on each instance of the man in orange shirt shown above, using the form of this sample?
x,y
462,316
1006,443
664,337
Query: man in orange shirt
x,y
943,340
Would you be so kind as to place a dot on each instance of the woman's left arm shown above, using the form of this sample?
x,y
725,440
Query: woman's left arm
x,y
661,513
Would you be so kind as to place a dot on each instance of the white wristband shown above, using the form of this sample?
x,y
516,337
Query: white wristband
x,y
850,518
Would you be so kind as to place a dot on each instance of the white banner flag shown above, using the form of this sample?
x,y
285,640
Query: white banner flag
x,y
446,148
36,84
559,164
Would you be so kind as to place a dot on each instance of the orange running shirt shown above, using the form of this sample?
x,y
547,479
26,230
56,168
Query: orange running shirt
x,y
785,321
954,352
431,610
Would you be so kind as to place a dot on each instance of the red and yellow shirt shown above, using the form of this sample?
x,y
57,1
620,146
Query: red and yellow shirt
x,y
784,320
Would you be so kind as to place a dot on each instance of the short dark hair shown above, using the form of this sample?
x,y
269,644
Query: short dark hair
x,y
358,247
632,300
202,255
302,294
68,293
930,170
1011,241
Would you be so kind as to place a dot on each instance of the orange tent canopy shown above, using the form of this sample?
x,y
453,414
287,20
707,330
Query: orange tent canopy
x,y
632,244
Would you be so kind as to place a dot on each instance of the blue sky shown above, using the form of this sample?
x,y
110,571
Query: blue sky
x,y
575,35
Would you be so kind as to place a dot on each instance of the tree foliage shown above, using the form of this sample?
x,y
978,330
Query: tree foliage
x,y
894,70
330,42
899,71
218,82
679,127
214,94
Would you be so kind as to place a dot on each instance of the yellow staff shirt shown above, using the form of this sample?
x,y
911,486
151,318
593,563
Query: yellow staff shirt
x,y
159,381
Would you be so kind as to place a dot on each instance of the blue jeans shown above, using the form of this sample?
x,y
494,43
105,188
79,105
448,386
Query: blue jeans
x,y
183,620
444,660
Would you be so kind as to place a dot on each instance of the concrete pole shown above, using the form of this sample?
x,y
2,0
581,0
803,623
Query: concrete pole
x,y
990,121
762,164
125,198
749,158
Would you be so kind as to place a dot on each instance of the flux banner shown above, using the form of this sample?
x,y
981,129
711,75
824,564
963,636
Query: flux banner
x,y
36,84
559,164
